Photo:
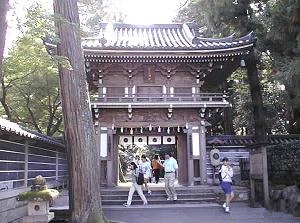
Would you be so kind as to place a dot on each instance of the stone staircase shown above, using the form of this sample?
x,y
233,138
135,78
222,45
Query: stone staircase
x,y
201,194
186,195
114,197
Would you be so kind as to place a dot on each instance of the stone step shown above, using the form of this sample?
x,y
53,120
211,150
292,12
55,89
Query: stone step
x,y
162,201
156,191
156,196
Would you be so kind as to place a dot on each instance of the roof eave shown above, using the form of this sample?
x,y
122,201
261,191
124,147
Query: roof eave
x,y
118,51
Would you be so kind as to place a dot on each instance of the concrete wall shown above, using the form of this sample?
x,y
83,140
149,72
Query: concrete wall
x,y
12,210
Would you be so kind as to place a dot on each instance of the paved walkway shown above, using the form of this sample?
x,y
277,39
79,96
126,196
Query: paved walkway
x,y
240,213
186,213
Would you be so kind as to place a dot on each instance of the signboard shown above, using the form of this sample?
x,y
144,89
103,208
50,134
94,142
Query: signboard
x,y
154,140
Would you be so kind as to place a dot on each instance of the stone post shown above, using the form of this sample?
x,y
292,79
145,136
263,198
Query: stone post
x,y
26,164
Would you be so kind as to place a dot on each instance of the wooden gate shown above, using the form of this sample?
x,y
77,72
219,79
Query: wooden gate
x,y
259,174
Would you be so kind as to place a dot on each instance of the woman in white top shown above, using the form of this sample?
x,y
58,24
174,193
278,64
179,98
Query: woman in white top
x,y
135,187
146,170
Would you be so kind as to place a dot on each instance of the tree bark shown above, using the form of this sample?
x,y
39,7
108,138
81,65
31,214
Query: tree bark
x,y
228,121
83,156
4,4
257,102
121,174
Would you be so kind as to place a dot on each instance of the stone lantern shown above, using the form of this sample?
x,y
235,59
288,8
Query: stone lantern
x,y
39,198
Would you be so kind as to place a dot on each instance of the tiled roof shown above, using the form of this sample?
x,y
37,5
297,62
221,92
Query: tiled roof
x,y
234,140
14,128
183,36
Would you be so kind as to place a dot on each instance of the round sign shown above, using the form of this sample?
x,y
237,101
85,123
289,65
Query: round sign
x,y
216,156
36,207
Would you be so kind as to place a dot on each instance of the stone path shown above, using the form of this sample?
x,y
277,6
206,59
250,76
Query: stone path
x,y
241,213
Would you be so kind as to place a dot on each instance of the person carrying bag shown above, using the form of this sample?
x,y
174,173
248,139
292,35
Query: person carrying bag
x,y
135,173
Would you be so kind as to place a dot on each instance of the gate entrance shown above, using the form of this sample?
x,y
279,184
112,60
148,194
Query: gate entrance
x,y
131,146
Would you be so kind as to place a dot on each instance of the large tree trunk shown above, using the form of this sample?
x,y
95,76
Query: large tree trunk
x,y
228,121
293,89
257,102
84,158
4,4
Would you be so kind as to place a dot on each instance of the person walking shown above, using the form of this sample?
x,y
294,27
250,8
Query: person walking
x,y
146,170
171,173
156,166
134,186
137,160
226,175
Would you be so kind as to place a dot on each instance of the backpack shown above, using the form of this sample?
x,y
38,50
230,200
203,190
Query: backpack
x,y
140,179
220,177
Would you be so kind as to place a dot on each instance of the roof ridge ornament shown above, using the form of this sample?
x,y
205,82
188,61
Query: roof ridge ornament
x,y
109,32
187,32
224,39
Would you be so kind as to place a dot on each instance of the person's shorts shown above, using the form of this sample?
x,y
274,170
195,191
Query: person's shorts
x,y
226,186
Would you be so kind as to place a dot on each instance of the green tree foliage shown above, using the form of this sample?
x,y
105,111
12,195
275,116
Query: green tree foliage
x,y
282,39
276,24
274,96
30,90
220,17
92,12
127,154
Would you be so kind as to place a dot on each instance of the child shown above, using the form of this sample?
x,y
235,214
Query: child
x,y
226,174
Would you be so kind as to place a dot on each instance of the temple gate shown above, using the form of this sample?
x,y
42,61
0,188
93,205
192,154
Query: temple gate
x,y
158,82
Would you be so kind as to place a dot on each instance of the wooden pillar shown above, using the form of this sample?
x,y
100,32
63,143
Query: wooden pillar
x,y
252,180
98,145
203,174
26,164
183,157
111,164
56,166
265,177
190,156
115,158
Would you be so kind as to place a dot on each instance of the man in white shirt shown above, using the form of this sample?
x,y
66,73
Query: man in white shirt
x,y
226,175
171,173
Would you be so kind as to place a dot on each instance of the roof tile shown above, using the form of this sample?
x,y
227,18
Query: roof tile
x,y
166,36
11,127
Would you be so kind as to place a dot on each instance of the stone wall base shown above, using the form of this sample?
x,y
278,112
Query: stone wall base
x,y
38,218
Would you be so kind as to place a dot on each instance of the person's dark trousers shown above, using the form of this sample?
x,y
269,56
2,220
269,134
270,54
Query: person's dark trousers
x,y
156,175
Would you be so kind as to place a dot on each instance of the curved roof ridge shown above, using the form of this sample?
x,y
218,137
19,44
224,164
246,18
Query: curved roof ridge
x,y
223,39
165,37
12,127
131,25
